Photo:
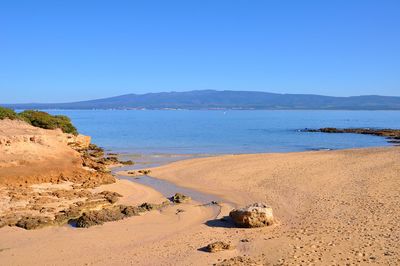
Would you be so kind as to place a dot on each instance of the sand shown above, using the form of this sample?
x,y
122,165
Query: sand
x,y
333,207
154,238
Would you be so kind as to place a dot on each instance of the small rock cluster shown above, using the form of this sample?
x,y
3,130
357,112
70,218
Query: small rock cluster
x,y
144,172
98,217
180,198
218,246
93,157
114,213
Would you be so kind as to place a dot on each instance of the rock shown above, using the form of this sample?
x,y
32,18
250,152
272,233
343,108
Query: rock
x,y
129,162
148,206
33,222
111,197
79,203
82,141
71,194
129,211
390,134
218,246
98,217
9,220
111,160
65,215
47,209
254,215
180,198
44,200
96,154
144,172
62,193
113,213
83,193
79,142
77,208
94,147
151,206
236,261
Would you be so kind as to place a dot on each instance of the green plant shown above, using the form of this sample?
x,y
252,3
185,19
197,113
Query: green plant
x,y
47,121
7,113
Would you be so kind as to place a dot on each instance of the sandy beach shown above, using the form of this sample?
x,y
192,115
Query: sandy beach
x,y
332,207
199,133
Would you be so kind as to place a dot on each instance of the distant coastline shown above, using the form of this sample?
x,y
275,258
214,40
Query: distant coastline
x,y
224,100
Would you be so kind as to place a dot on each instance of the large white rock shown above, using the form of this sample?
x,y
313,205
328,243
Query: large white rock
x,y
254,215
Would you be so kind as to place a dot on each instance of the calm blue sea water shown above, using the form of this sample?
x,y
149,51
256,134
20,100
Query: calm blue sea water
x,y
216,132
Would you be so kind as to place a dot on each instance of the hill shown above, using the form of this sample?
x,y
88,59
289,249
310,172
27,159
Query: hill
x,y
211,99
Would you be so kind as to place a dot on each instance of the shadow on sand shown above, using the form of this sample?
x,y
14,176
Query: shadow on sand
x,y
203,249
224,222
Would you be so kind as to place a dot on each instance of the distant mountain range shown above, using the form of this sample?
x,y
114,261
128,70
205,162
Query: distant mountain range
x,y
211,99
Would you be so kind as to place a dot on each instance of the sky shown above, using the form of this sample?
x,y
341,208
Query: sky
x,y
63,51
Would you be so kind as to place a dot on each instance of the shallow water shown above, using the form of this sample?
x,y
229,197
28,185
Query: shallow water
x,y
166,188
154,132
153,138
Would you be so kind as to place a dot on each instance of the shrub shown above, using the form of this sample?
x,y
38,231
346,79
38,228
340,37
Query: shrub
x,y
47,121
7,113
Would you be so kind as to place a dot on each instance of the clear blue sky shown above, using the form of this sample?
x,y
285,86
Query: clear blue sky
x,y
60,51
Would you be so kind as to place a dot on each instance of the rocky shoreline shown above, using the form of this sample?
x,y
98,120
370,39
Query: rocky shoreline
x,y
392,135
66,190
73,201
79,204
75,191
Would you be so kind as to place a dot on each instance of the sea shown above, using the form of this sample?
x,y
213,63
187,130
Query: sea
x,y
213,132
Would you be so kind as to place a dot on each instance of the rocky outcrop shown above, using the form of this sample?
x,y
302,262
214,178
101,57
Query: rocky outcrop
x,y
32,155
44,204
114,213
218,246
393,135
99,217
45,176
33,222
78,142
180,198
94,158
254,215
64,216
